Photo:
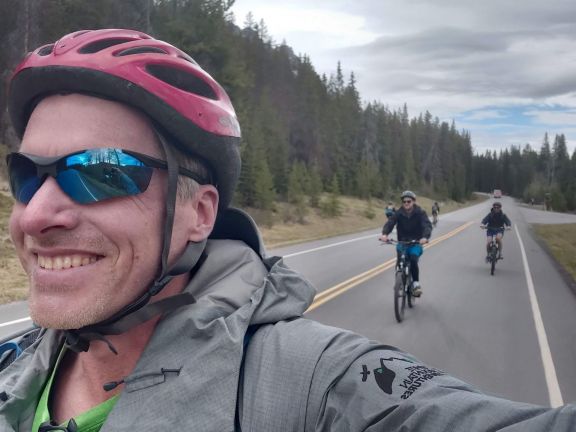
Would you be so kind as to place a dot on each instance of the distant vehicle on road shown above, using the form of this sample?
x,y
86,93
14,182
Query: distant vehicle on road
x,y
497,193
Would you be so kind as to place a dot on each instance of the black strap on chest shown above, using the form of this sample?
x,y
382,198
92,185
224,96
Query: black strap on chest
x,y
48,427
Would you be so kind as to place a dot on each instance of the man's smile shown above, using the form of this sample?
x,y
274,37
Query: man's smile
x,y
62,262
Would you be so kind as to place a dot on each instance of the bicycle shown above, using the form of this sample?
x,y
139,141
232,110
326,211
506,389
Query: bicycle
x,y
434,219
403,280
493,253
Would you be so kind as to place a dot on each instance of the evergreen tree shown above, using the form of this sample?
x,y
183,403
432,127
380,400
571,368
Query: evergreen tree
x,y
315,187
546,160
332,206
297,185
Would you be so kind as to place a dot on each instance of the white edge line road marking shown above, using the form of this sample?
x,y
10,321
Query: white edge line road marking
x,y
549,370
329,246
18,321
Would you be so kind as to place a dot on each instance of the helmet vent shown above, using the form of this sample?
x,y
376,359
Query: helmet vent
x,y
182,80
140,50
45,50
188,59
100,45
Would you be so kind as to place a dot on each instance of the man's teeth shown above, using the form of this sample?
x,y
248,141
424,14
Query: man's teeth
x,y
65,261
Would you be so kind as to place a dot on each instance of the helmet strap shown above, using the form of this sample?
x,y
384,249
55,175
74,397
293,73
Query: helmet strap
x,y
140,310
170,209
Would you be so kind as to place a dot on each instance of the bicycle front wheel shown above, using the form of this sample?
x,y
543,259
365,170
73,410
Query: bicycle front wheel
x,y
399,297
408,291
492,265
493,259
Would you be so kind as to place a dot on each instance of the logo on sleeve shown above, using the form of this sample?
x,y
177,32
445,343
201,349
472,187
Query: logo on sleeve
x,y
417,376
384,377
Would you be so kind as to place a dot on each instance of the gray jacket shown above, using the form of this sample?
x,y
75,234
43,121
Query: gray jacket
x,y
298,374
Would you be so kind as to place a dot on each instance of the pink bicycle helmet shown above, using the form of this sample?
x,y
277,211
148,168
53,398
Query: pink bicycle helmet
x,y
153,76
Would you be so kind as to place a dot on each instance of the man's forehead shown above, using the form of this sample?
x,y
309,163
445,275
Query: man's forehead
x,y
62,123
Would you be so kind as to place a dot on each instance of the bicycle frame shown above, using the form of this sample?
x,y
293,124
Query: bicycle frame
x,y
493,254
403,263
403,280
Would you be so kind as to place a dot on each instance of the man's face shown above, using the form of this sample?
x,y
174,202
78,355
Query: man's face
x,y
497,208
85,262
408,204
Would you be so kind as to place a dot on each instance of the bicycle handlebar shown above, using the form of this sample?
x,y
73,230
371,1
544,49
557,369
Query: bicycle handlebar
x,y
405,243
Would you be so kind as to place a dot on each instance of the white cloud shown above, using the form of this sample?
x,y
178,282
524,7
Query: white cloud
x,y
307,27
553,117
444,56
485,115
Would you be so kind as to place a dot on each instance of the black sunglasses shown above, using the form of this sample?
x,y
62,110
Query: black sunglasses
x,y
407,201
87,176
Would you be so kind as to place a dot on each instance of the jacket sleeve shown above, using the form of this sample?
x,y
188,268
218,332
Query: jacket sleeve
x,y
387,390
426,225
507,220
389,225
486,219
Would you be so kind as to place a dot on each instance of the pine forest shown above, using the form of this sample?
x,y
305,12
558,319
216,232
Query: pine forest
x,y
303,134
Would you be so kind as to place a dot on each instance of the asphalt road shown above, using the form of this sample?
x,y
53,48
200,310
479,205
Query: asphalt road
x,y
486,330
477,327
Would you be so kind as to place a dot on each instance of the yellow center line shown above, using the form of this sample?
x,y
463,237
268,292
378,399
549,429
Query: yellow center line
x,y
354,281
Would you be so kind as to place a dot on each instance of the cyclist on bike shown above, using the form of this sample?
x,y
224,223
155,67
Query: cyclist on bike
x,y
435,211
495,222
389,210
411,223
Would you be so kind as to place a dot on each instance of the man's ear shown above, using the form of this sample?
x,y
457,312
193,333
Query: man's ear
x,y
205,206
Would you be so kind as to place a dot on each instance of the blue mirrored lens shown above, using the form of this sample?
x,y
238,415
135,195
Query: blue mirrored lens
x,y
100,174
87,177
27,188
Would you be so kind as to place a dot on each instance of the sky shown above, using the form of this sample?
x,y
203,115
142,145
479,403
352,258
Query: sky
x,y
503,70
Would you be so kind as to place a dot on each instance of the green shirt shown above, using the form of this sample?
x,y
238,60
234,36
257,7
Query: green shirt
x,y
89,421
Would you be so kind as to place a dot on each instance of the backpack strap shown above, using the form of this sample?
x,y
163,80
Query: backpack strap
x,y
277,374
15,347
247,337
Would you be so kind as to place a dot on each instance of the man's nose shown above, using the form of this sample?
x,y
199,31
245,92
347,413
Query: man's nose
x,y
48,209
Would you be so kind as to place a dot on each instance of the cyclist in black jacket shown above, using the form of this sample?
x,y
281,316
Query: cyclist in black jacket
x,y
495,222
411,223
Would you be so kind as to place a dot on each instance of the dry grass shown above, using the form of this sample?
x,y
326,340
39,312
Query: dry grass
x,y
561,241
13,280
353,219
316,226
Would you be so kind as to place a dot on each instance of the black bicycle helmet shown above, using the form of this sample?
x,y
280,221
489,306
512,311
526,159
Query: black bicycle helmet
x,y
408,194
